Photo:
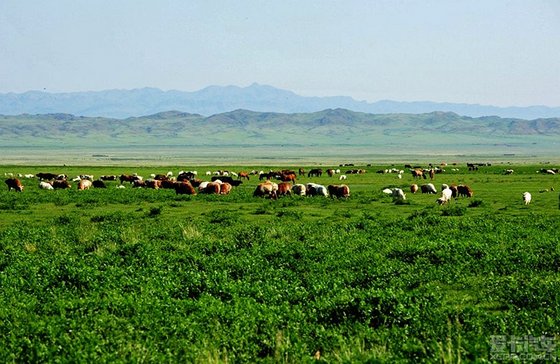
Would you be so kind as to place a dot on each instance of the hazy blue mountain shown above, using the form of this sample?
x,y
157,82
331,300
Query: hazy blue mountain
x,y
217,99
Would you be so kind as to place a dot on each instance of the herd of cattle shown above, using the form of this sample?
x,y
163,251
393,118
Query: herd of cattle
x,y
187,182
276,183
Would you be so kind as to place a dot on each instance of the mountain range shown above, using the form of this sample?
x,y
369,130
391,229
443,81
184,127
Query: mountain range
x,y
214,100
332,127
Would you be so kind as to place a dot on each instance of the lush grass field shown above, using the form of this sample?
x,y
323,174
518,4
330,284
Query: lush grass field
x,y
135,275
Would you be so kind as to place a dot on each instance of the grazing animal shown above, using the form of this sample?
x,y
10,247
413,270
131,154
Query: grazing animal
x,y
228,179
330,172
84,184
288,177
129,178
108,178
46,176
428,188
464,190
526,198
314,189
61,184
184,188
284,189
14,183
446,195
418,173
413,188
315,172
225,188
153,183
242,175
98,183
212,188
339,191
508,171
342,177
301,172
45,185
265,189
396,193
299,189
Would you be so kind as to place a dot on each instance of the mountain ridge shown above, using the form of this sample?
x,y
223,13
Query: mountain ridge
x,y
212,100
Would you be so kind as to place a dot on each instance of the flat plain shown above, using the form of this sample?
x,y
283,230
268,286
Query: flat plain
x,y
141,275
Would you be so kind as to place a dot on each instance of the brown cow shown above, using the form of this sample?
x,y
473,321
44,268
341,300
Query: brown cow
x,y
266,189
284,189
153,183
288,177
242,175
418,173
184,188
14,183
339,191
225,188
330,172
413,188
212,188
62,184
464,190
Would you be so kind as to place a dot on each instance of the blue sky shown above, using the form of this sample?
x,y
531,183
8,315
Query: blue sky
x,y
503,53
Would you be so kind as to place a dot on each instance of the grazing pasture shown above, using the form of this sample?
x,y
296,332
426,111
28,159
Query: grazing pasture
x,y
150,275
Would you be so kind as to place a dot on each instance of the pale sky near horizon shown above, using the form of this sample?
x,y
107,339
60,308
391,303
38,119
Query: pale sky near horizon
x,y
503,53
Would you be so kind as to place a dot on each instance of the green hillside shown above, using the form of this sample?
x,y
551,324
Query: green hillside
x,y
333,127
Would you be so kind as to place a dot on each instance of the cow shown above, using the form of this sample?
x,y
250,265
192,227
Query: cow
x,y
108,178
330,172
84,184
212,188
339,191
186,176
98,183
428,188
284,189
227,179
153,183
301,172
413,188
14,183
46,176
45,185
242,175
265,189
314,189
464,190
288,177
129,178
61,184
418,173
184,188
315,172
299,189
225,188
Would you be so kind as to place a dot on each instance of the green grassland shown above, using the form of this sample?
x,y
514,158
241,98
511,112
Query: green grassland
x,y
137,275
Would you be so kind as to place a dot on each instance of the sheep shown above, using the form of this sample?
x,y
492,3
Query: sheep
x,y
446,195
396,193
45,186
526,198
